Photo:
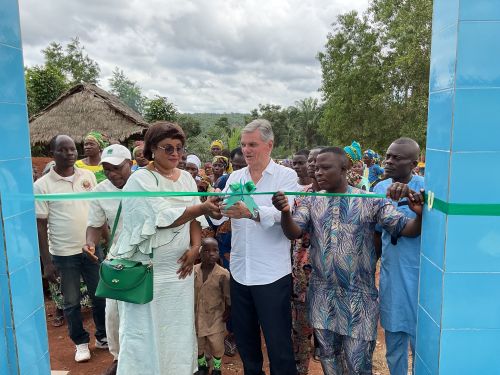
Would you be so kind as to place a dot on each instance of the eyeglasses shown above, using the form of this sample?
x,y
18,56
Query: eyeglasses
x,y
170,149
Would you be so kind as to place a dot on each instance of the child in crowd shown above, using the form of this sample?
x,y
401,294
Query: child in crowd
x,y
212,306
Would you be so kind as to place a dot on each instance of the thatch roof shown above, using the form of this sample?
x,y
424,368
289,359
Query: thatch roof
x,y
84,108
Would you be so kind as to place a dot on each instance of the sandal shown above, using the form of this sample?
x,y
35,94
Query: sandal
x,y
58,321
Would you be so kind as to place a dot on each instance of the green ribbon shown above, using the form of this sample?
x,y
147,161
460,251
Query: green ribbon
x,y
461,209
241,192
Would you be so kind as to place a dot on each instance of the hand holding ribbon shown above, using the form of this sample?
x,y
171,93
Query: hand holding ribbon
x,y
240,203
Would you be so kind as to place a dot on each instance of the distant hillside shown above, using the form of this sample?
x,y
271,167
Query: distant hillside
x,y
208,119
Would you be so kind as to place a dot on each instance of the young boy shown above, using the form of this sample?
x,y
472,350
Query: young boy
x,y
212,306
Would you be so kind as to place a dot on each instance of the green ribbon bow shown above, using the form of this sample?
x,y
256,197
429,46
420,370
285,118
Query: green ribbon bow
x,y
241,193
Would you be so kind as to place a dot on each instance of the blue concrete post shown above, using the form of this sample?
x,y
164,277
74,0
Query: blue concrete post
x,y
23,332
459,304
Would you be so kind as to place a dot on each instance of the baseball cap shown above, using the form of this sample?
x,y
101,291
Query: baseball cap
x,y
115,154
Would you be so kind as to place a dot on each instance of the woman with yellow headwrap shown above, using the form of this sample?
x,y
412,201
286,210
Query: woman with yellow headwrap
x,y
216,147
93,145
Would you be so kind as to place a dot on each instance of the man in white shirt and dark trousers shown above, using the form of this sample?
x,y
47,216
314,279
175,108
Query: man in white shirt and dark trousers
x,y
260,259
61,248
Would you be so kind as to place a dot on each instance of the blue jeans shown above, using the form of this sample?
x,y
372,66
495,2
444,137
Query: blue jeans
x,y
70,268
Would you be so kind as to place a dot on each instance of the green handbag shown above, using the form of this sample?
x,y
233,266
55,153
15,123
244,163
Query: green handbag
x,y
123,279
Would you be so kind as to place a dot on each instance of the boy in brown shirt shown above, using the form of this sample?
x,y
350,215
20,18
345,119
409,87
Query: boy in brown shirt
x,y
212,306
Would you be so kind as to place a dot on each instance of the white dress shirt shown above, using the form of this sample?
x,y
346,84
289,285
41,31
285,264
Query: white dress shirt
x,y
260,252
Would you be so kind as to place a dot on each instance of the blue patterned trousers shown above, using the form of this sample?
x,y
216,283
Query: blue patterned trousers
x,y
344,355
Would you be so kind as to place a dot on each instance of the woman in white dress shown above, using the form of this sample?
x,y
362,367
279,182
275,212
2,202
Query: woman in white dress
x,y
159,337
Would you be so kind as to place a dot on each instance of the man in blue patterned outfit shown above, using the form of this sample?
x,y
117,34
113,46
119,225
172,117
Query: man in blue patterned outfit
x,y
400,262
342,297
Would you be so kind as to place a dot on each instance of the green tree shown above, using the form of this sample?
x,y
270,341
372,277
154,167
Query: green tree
x,y
353,82
200,146
43,86
375,74
128,91
223,123
308,118
72,61
159,109
190,125
405,32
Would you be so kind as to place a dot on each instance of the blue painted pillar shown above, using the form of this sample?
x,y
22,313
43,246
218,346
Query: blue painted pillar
x,y
23,333
459,300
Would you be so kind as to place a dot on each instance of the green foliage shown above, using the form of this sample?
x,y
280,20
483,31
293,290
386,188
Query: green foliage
x,y
209,119
233,140
200,146
375,74
72,61
190,125
44,84
159,109
128,91
62,68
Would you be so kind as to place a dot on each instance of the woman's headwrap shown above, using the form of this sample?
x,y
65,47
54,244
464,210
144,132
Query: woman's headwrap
x,y
217,143
223,160
99,138
193,159
370,153
354,151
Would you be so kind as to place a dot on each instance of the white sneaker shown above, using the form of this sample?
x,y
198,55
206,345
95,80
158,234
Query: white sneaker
x,y
82,353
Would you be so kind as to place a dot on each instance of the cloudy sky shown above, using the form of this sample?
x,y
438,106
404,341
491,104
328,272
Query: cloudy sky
x,y
204,55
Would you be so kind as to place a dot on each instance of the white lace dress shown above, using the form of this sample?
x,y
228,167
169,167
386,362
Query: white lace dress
x,y
158,337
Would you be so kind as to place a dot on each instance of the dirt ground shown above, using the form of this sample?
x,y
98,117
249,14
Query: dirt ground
x,y
62,352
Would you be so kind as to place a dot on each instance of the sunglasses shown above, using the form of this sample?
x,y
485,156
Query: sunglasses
x,y
170,149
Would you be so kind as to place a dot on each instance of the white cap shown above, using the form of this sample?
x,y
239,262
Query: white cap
x,y
193,159
115,154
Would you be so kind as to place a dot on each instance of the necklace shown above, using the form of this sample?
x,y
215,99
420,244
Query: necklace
x,y
164,175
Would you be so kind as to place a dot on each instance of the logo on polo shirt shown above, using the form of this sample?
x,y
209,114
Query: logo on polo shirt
x,y
86,185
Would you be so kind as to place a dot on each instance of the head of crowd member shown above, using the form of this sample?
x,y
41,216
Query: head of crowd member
x,y
207,167
237,159
63,150
138,154
164,145
193,165
369,158
331,170
93,144
182,161
216,147
354,153
220,165
311,161
358,167
116,161
257,140
209,252
299,163
401,159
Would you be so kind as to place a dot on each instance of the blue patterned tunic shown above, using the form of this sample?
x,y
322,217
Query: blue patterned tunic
x,y
342,295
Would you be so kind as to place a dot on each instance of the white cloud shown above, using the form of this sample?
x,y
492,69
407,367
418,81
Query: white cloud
x,y
217,56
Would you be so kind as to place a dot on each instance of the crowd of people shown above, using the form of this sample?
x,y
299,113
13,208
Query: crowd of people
x,y
300,270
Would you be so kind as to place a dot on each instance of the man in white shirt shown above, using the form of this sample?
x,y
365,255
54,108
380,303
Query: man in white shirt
x,y
61,248
116,161
260,259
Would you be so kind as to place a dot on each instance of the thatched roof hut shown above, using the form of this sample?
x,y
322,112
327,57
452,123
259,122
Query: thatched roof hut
x,y
84,108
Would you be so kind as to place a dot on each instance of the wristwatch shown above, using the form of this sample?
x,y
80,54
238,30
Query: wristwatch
x,y
254,214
